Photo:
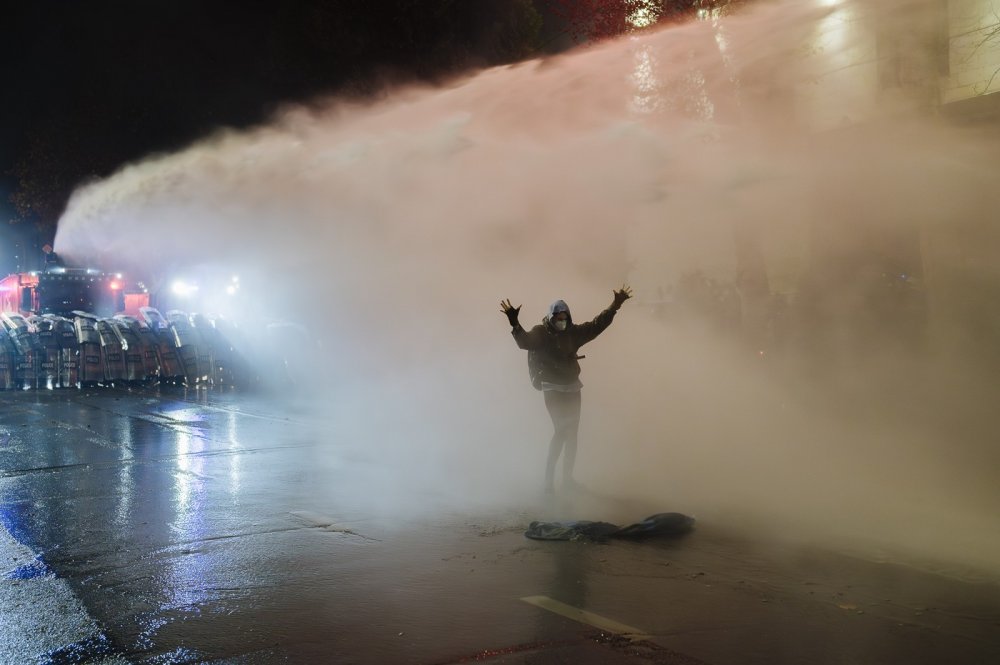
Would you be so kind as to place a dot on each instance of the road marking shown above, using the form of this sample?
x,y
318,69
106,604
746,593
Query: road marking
x,y
583,616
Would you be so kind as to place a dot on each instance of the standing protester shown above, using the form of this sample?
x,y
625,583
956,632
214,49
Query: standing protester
x,y
554,367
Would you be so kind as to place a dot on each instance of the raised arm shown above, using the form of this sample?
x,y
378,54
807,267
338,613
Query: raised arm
x,y
591,329
525,339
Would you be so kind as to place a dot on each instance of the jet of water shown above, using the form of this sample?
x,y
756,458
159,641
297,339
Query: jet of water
x,y
393,229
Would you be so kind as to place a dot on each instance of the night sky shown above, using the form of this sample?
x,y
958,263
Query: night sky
x,y
90,86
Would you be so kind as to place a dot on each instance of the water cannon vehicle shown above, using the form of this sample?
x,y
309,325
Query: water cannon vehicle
x,y
61,291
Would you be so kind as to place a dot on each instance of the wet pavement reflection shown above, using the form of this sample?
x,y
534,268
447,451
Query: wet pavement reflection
x,y
175,527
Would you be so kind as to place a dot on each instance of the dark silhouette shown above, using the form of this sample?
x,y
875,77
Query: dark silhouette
x,y
555,370
49,258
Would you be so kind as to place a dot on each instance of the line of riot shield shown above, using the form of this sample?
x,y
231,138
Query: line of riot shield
x,y
187,342
48,351
91,358
229,353
210,346
8,360
171,368
114,353
84,350
69,351
27,347
135,361
142,342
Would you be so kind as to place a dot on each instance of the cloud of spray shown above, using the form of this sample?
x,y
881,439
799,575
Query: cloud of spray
x,y
392,230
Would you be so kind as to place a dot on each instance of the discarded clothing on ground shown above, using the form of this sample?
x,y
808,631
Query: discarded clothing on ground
x,y
578,530
660,524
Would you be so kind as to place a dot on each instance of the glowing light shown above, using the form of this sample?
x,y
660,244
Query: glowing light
x,y
231,290
643,16
833,33
182,288
115,285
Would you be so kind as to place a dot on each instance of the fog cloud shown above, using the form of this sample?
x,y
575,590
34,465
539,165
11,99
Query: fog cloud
x,y
393,229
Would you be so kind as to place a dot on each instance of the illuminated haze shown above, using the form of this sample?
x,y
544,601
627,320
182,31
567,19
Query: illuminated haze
x,y
392,230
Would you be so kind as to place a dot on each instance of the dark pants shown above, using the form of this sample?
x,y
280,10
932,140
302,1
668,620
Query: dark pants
x,y
564,409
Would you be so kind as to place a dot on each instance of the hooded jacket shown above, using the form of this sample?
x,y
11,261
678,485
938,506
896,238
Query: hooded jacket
x,y
558,349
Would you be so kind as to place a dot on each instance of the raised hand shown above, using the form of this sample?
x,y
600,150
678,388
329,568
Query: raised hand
x,y
621,295
510,311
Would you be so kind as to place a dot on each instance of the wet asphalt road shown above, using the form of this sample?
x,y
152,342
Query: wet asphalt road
x,y
189,527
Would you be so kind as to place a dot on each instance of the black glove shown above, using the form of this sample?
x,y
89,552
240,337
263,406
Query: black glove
x,y
511,312
621,296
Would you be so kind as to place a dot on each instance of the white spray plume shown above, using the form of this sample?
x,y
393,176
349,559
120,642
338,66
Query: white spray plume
x,y
394,229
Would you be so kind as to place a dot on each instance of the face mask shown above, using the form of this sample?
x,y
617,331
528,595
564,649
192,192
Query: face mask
x,y
560,325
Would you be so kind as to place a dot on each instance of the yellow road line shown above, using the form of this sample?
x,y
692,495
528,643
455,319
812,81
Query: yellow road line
x,y
583,616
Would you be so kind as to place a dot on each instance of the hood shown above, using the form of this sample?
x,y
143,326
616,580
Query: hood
x,y
555,308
